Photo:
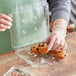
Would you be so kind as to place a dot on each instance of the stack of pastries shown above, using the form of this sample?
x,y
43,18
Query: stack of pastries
x,y
41,48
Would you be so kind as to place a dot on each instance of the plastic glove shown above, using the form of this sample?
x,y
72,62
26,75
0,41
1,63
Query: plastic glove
x,y
5,22
56,40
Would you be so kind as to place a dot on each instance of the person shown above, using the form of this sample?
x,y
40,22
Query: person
x,y
60,10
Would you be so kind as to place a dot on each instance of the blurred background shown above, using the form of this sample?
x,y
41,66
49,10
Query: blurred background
x,y
72,23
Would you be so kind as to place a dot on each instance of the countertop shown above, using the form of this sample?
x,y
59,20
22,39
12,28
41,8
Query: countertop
x,y
67,68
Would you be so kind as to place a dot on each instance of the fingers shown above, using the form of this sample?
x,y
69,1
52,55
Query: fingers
x,y
56,43
64,46
5,17
2,29
10,15
60,45
5,27
52,40
2,21
5,22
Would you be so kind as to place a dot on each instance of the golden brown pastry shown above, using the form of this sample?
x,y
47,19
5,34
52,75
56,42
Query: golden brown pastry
x,y
41,48
58,54
35,49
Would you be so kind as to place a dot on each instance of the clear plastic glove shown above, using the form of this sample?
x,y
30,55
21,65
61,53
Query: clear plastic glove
x,y
56,40
5,22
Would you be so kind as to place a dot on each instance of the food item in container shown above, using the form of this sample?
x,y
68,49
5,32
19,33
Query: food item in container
x,y
18,72
58,54
43,48
53,52
61,55
40,48
35,49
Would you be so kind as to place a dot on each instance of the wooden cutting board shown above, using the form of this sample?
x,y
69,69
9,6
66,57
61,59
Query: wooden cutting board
x,y
66,68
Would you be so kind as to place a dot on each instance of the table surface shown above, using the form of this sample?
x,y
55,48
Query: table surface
x,y
67,68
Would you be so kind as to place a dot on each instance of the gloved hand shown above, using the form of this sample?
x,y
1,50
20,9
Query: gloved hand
x,y
5,22
56,40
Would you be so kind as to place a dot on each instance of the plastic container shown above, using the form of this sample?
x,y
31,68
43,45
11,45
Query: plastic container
x,y
24,71
30,23
36,61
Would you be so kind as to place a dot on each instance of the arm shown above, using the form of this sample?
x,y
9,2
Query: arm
x,y
60,10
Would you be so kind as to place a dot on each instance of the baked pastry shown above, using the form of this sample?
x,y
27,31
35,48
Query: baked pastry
x,y
43,48
58,54
35,49
40,48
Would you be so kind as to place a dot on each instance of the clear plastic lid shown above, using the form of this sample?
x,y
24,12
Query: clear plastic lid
x,y
30,23
36,61
19,70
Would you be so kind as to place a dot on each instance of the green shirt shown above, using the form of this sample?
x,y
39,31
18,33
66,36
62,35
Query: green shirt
x,y
29,23
5,41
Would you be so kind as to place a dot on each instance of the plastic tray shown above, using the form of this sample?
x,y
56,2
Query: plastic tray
x,y
26,71
34,60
